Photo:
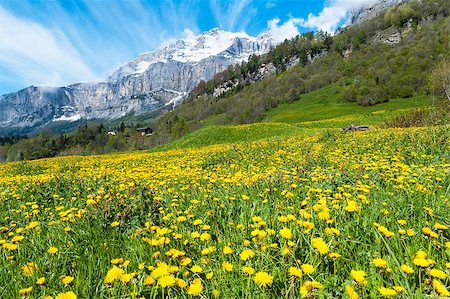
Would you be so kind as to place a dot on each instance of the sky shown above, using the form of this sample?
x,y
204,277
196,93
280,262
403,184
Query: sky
x,y
55,43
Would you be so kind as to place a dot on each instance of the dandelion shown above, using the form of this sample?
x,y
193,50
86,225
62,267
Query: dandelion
x,y
407,269
113,274
438,274
25,291
149,281
227,250
227,266
334,255
307,268
67,280
246,254
195,288
320,245
52,250
216,293
66,295
380,263
248,270
385,292
180,283
29,269
40,281
286,233
115,224
351,293
196,269
440,288
263,279
296,272
166,281
359,276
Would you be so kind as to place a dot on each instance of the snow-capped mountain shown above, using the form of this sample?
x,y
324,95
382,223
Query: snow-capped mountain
x,y
149,82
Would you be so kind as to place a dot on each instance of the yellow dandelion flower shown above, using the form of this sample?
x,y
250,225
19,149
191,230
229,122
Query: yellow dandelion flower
x,y
227,266
113,274
196,269
351,293
29,268
227,250
216,293
407,269
294,271
320,245
67,280
385,292
359,276
263,279
307,268
195,288
66,295
149,280
180,283
286,233
52,250
40,281
380,263
248,270
246,254
25,291
438,274
440,288
166,281
115,224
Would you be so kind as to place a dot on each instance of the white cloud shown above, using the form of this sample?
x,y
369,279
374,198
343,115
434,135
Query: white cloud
x,y
284,31
188,34
38,55
333,14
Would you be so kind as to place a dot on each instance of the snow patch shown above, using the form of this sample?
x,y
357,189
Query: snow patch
x,y
71,118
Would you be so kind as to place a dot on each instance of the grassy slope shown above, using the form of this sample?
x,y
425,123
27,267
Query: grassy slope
x,y
318,109
324,104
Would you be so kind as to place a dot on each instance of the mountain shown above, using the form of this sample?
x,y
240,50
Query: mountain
x,y
151,81
370,10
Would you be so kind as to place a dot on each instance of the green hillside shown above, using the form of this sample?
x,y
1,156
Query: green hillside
x,y
326,103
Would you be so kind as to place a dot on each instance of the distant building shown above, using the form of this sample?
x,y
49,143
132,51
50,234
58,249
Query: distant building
x,y
112,133
145,131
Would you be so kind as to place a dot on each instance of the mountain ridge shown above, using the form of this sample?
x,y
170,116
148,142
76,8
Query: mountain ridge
x,y
152,80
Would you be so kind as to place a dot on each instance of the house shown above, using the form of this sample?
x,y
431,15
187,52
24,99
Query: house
x,y
145,131
112,133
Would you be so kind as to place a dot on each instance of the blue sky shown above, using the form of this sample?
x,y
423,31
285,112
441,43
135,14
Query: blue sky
x,y
55,43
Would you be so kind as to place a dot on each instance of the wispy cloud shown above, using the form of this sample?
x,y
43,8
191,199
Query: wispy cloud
x,y
333,14
38,55
233,15
271,3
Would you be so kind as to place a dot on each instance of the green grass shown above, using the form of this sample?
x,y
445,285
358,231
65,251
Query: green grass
x,y
231,134
325,104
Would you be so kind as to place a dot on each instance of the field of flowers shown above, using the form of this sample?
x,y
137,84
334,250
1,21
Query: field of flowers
x,y
325,215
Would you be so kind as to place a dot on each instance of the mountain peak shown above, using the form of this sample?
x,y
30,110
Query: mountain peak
x,y
197,48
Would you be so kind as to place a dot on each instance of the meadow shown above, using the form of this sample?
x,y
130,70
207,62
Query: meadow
x,y
288,213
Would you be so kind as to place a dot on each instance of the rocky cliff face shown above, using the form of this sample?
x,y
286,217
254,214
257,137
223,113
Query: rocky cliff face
x,y
149,82
370,10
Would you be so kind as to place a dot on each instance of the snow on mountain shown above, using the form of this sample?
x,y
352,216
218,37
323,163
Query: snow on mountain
x,y
192,50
